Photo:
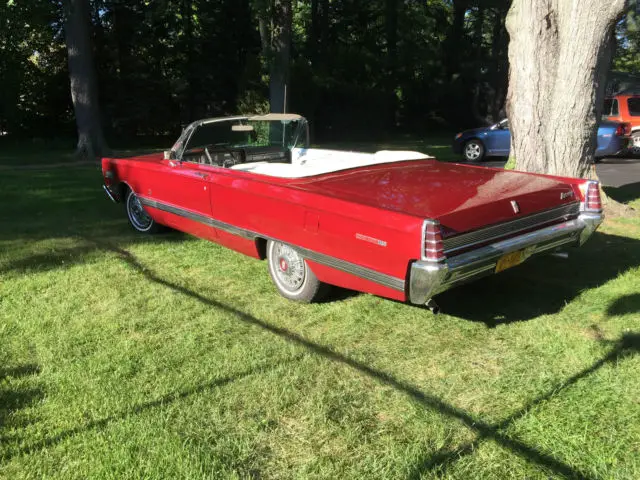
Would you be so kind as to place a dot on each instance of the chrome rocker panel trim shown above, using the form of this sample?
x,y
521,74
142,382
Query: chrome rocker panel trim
x,y
427,279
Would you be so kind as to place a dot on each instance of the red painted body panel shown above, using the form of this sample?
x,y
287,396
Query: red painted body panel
x,y
460,197
370,216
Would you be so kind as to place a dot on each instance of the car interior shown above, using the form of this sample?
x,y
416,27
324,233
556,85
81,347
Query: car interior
x,y
276,148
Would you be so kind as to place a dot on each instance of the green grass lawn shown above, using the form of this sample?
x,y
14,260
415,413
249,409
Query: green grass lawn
x,y
169,357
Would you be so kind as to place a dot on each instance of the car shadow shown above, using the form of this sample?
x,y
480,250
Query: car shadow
x,y
543,285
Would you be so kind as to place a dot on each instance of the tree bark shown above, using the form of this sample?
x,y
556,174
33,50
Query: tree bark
x,y
261,11
281,19
454,37
391,27
84,90
499,68
318,35
559,55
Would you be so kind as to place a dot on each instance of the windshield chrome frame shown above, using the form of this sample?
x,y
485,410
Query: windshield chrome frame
x,y
176,153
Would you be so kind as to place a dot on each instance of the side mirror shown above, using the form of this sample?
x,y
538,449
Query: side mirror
x,y
168,155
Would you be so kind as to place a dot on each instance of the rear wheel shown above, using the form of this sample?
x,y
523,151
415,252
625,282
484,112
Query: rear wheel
x,y
291,274
634,147
139,219
473,150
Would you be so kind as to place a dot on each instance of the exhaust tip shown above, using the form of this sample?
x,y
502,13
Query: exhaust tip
x,y
432,306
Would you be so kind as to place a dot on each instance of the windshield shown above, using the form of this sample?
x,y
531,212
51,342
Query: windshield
x,y
244,132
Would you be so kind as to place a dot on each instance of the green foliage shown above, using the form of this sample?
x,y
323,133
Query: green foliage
x,y
34,85
511,163
356,65
168,62
627,58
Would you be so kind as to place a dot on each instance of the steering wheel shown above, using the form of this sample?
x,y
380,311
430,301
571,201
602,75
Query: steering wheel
x,y
206,152
230,162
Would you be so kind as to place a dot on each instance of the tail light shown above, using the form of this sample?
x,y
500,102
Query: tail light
x,y
592,202
623,130
432,246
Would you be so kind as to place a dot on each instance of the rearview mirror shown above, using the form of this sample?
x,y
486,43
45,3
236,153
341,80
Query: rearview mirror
x,y
242,128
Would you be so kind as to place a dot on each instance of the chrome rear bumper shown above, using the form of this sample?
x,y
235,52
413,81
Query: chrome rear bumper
x,y
430,278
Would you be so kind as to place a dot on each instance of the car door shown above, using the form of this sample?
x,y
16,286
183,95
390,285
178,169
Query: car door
x,y
499,139
180,190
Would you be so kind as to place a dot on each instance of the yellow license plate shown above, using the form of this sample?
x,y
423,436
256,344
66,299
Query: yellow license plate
x,y
510,260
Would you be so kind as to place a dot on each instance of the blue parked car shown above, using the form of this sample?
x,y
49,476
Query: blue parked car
x,y
495,141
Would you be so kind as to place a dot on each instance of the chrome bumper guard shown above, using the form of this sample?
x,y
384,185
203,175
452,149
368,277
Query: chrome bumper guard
x,y
109,194
430,278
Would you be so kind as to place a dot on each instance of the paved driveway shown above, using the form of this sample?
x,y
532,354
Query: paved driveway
x,y
618,172
613,172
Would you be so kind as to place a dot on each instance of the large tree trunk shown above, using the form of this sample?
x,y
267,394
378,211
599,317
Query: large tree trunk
x,y
84,90
454,38
391,80
281,19
499,64
190,64
559,55
261,11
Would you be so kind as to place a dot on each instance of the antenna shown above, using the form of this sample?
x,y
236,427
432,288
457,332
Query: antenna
x,y
284,106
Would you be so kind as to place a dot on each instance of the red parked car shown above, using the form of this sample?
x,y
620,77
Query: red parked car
x,y
396,224
625,108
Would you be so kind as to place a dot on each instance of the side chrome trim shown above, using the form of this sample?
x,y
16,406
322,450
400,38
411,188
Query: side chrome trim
x,y
348,267
326,260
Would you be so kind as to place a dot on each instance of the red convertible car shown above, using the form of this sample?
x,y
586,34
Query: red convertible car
x,y
393,223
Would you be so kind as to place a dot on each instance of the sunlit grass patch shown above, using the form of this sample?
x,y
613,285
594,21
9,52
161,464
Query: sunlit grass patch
x,y
171,357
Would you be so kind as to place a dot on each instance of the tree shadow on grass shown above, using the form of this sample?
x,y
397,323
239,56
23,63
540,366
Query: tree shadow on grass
x,y
624,194
483,429
140,408
16,394
627,346
625,305
543,285
58,258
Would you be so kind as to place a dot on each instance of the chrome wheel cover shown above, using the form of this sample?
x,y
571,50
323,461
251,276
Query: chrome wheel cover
x,y
635,144
472,151
138,216
288,267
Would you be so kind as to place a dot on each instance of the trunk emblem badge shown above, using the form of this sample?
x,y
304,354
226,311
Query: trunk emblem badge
x,y
568,194
515,206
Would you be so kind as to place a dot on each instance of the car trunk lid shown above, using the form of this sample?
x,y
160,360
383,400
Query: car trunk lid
x,y
461,197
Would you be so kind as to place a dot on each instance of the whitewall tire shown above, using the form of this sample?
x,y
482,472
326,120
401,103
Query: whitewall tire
x,y
291,275
138,217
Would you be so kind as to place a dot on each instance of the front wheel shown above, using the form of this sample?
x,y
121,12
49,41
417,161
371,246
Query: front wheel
x,y
291,274
139,219
473,151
